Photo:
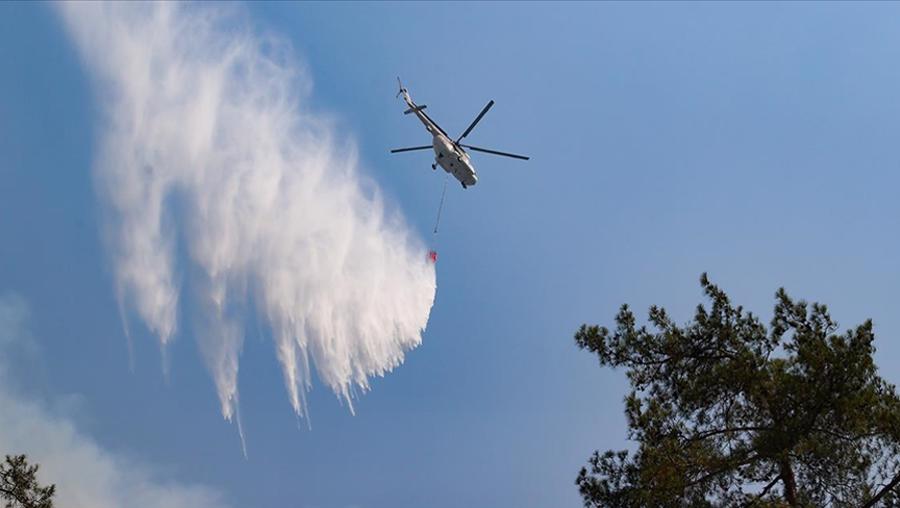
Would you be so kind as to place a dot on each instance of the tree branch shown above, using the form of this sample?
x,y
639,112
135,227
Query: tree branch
x,y
881,493
709,433
765,491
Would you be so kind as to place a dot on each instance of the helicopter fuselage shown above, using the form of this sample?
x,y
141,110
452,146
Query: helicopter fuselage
x,y
453,160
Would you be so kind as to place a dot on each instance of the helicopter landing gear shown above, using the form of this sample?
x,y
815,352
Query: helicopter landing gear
x,y
434,166
464,185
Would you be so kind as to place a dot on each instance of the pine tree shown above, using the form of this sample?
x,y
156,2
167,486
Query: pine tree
x,y
19,487
726,412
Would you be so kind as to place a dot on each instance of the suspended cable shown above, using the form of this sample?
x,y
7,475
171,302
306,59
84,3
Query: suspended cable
x,y
432,254
441,206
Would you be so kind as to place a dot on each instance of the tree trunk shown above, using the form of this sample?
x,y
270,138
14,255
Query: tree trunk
x,y
790,485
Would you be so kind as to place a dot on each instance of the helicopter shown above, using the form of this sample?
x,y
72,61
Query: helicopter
x,y
449,154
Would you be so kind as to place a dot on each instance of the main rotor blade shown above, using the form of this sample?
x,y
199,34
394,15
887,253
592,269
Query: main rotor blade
x,y
410,149
477,119
495,152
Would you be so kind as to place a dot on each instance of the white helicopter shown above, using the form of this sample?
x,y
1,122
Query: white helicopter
x,y
449,154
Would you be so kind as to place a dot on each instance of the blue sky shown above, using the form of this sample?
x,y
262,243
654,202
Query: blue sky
x,y
752,141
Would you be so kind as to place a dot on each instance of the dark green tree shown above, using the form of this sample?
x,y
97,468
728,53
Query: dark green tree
x,y
726,412
19,487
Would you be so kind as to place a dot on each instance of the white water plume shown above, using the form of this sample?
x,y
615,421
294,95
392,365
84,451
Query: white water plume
x,y
212,164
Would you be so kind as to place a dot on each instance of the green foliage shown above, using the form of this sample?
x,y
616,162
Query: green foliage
x,y
19,487
726,412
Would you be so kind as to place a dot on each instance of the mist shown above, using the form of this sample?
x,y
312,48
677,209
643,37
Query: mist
x,y
86,474
224,191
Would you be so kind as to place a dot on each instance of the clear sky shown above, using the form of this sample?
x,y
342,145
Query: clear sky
x,y
756,142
